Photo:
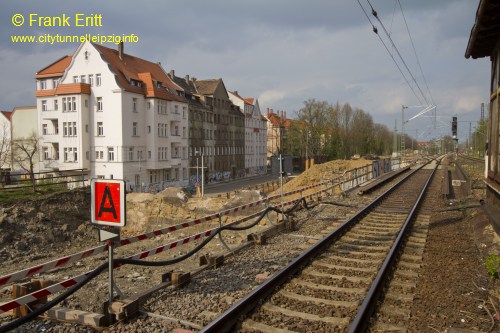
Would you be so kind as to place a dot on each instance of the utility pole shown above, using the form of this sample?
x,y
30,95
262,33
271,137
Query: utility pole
x,y
403,107
395,138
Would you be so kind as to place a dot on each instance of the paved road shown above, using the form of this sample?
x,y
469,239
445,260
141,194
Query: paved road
x,y
229,186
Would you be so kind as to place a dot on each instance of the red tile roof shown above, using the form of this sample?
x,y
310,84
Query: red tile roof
x,y
7,114
276,120
147,72
126,69
55,69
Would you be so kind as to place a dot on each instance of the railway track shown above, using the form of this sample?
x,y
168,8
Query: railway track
x,y
335,285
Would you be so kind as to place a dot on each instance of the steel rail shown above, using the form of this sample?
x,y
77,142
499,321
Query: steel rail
x,y
227,321
362,319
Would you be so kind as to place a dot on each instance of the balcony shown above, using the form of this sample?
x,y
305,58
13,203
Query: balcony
x,y
50,114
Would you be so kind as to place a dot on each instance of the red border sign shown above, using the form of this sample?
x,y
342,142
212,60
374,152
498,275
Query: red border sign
x,y
108,202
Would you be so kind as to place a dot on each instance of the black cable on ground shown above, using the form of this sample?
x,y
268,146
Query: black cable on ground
x,y
123,261
49,305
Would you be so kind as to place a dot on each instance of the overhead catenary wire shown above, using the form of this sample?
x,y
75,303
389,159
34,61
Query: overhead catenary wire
x,y
375,30
415,52
418,62
375,14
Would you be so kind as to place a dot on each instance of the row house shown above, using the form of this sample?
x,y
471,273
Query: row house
x,y
277,125
255,134
216,130
114,114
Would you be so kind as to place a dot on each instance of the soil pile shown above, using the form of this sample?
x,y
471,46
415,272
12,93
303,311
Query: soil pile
x,y
32,229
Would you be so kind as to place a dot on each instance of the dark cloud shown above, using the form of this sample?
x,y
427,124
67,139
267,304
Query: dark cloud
x,y
282,51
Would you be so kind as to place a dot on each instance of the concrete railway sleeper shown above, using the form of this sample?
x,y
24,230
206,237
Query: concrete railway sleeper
x,y
335,285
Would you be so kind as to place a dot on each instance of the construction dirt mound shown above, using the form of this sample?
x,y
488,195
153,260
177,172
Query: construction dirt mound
x,y
321,172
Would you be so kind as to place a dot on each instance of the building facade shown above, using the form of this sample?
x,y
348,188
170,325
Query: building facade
x,y
116,115
255,134
484,41
24,136
216,130
277,125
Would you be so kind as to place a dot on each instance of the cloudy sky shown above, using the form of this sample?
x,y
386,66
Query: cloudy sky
x,y
282,52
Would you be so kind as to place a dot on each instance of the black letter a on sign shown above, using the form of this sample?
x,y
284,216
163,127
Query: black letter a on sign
x,y
111,208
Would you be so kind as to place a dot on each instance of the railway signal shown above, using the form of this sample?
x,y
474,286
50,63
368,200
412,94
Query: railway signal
x,y
454,127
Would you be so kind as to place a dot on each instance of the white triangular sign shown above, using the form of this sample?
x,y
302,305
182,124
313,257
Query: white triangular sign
x,y
105,235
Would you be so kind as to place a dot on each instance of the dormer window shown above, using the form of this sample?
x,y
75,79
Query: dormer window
x,y
158,84
43,84
135,83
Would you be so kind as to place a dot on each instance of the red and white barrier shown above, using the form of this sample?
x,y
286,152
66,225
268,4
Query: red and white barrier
x,y
25,273
71,282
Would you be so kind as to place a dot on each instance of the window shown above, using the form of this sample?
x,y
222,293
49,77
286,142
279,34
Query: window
x,y
65,154
162,107
74,128
44,105
45,153
134,129
98,80
131,154
99,103
44,129
149,129
43,84
69,104
55,83
91,80
87,155
134,104
65,129
111,154
99,155
83,78
56,105
75,155
76,79
100,129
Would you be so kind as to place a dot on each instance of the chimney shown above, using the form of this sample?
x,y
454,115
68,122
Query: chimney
x,y
236,92
120,50
186,78
171,74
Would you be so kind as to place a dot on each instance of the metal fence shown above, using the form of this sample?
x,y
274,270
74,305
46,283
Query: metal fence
x,y
15,180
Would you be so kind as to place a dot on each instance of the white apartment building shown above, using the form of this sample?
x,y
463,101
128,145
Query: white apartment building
x,y
116,115
255,134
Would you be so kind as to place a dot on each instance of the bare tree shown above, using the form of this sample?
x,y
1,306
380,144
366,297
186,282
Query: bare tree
x,y
4,144
25,151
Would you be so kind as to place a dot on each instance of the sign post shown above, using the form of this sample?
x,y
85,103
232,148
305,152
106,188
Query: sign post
x,y
109,214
